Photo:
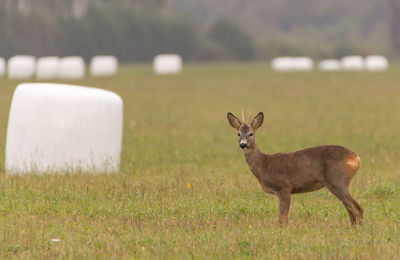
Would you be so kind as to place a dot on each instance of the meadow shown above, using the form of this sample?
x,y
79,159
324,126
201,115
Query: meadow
x,y
184,190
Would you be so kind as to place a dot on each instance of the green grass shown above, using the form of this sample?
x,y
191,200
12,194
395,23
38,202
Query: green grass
x,y
176,133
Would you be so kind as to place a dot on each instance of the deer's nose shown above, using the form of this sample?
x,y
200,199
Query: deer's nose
x,y
243,145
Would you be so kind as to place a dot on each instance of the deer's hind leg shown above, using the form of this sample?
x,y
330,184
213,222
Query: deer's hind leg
x,y
338,181
360,209
355,213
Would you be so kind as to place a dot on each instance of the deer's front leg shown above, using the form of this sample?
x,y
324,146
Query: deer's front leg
x,y
284,206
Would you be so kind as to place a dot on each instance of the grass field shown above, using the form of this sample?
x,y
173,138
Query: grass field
x,y
184,190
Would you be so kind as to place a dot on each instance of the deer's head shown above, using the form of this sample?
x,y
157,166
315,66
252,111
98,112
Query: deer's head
x,y
246,131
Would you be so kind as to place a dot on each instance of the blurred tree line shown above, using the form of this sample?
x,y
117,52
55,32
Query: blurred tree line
x,y
316,28
131,30
136,30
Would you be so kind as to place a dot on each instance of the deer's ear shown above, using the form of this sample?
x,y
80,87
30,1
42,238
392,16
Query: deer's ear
x,y
234,121
258,120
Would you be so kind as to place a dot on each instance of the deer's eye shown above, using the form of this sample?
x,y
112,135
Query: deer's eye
x,y
251,134
238,134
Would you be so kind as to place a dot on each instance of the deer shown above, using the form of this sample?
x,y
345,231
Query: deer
x,y
311,169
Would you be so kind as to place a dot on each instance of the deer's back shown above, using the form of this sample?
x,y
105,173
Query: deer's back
x,y
308,170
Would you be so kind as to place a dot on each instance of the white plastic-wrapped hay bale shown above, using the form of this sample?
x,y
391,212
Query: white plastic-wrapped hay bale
x,y
72,67
376,63
282,64
103,65
21,67
57,128
2,66
354,62
302,64
167,64
329,65
47,67
292,64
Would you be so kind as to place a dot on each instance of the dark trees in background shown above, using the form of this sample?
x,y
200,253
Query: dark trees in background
x,y
129,33
136,30
235,40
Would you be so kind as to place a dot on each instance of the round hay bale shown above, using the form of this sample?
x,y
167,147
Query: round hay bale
x,y
376,63
292,64
47,67
21,67
302,64
282,64
354,62
72,67
329,65
58,128
2,66
167,64
103,65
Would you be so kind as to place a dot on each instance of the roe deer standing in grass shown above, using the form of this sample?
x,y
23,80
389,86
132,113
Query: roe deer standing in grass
x,y
307,170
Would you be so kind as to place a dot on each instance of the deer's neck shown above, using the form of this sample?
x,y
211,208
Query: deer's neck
x,y
256,160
